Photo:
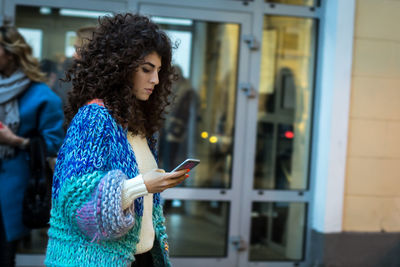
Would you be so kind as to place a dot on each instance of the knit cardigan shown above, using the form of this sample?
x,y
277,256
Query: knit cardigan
x,y
88,226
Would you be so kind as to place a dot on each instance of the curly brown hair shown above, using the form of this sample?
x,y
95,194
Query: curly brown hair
x,y
104,69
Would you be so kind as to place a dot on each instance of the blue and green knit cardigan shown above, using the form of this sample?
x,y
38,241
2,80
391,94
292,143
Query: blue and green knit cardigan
x,y
88,226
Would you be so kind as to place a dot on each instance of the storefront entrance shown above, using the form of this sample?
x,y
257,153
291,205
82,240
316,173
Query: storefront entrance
x,y
243,106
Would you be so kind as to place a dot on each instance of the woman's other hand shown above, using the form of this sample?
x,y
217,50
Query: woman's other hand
x,y
158,180
7,137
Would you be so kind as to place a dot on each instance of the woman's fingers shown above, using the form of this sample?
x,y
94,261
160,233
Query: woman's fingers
x,y
158,180
177,173
178,181
175,178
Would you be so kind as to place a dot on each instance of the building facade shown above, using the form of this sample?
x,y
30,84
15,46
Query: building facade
x,y
293,108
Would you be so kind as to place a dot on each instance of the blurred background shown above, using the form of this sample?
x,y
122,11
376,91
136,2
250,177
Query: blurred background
x,y
293,108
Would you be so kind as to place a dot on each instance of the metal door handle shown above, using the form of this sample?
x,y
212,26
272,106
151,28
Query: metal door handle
x,y
238,243
248,90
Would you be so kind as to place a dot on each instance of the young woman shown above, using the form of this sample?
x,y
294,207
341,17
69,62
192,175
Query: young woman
x,y
27,107
106,202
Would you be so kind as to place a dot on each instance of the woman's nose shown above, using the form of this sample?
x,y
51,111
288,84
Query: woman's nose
x,y
154,78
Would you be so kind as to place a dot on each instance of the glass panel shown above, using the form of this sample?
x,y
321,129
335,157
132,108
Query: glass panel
x,y
277,231
285,103
197,228
200,120
295,2
52,34
264,172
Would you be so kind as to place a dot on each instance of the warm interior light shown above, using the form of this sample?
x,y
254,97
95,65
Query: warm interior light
x,y
204,135
213,139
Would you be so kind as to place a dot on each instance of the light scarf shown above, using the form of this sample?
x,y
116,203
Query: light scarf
x,y
10,88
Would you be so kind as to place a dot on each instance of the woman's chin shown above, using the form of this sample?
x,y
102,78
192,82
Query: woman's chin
x,y
143,98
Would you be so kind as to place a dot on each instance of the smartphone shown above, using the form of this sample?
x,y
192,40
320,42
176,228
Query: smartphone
x,y
187,164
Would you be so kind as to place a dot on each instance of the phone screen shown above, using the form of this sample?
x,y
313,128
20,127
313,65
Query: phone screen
x,y
187,164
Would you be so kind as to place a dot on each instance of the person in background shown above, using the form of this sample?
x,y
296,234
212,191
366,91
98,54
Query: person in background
x,y
49,67
83,36
62,89
27,107
174,137
106,187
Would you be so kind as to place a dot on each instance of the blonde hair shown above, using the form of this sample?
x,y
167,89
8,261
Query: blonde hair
x,y
14,43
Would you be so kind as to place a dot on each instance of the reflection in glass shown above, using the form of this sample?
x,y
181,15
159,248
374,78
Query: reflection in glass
x,y
277,231
285,103
283,165
197,228
264,172
200,120
295,2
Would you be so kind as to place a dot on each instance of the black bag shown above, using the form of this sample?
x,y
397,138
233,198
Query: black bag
x,y
36,204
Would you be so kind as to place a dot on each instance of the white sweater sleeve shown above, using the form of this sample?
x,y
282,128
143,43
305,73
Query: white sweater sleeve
x,y
132,189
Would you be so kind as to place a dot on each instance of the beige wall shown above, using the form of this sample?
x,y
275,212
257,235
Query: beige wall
x,y
372,195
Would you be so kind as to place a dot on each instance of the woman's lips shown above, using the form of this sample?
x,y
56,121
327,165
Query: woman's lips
x,y
149,90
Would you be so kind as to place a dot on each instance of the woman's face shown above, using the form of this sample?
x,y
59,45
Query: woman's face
x,y
145,78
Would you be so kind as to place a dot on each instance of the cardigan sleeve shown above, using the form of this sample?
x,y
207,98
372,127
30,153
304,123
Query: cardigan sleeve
x,y
102,217
108,214
85,188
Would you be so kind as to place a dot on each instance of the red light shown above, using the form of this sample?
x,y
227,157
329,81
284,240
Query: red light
x,y
289,134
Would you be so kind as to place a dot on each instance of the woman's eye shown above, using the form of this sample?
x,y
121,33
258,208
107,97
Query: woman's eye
x,y
145,70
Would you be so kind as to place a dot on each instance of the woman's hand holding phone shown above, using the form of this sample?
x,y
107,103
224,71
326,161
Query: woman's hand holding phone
x,y
158,180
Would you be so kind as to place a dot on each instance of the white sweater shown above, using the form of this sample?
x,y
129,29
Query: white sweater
x,y
135,188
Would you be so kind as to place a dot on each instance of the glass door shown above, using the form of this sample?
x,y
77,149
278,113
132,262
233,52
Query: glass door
x,y
276,196
205,121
